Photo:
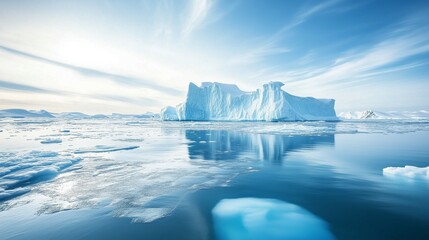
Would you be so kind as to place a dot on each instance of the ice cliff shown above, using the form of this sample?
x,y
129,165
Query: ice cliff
x,y
218,101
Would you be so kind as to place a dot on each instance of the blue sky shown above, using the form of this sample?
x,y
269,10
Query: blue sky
x,y
137,56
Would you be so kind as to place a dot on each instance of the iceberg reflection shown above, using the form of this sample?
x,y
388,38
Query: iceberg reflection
x,y
229,145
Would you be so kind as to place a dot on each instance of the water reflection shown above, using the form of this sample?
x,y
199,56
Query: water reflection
x,y
230,145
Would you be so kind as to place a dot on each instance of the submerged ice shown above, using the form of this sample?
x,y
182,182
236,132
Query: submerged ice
x,y
217,101
256,218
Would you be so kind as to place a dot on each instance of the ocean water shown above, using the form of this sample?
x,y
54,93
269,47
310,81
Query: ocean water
x,y
145,179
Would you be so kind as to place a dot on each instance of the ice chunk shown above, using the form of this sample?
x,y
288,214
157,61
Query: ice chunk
x,y
407,172
217,101
256,218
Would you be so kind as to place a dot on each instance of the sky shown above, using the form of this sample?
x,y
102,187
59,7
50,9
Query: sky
x,y
125,56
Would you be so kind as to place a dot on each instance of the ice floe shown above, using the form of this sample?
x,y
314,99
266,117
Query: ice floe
x,y
407,172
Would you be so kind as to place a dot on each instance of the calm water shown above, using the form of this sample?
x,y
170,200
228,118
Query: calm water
x,y
137,179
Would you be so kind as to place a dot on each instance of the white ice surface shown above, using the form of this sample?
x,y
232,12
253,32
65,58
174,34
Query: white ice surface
x,y
217,101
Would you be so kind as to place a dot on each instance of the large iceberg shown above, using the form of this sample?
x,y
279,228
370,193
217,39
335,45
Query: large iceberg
x,y
218,101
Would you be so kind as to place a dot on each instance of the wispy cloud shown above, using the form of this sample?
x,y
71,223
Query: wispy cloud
x,y
392,53
370,62
108,97
267,49
269,46
23,87
199,10
96,73
396,50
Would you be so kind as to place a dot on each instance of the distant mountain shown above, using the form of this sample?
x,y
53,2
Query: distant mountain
x,y
370,114
22,113
71,115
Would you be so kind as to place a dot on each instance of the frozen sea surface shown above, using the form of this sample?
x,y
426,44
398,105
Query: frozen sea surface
x,y
136,178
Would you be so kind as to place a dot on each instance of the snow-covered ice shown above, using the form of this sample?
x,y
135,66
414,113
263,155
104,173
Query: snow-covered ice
x,y
218,101
257,218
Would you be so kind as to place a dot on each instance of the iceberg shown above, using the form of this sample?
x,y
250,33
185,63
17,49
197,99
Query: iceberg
x,y
226,102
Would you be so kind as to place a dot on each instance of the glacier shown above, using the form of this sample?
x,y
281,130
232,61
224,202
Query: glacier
x,y
226,102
